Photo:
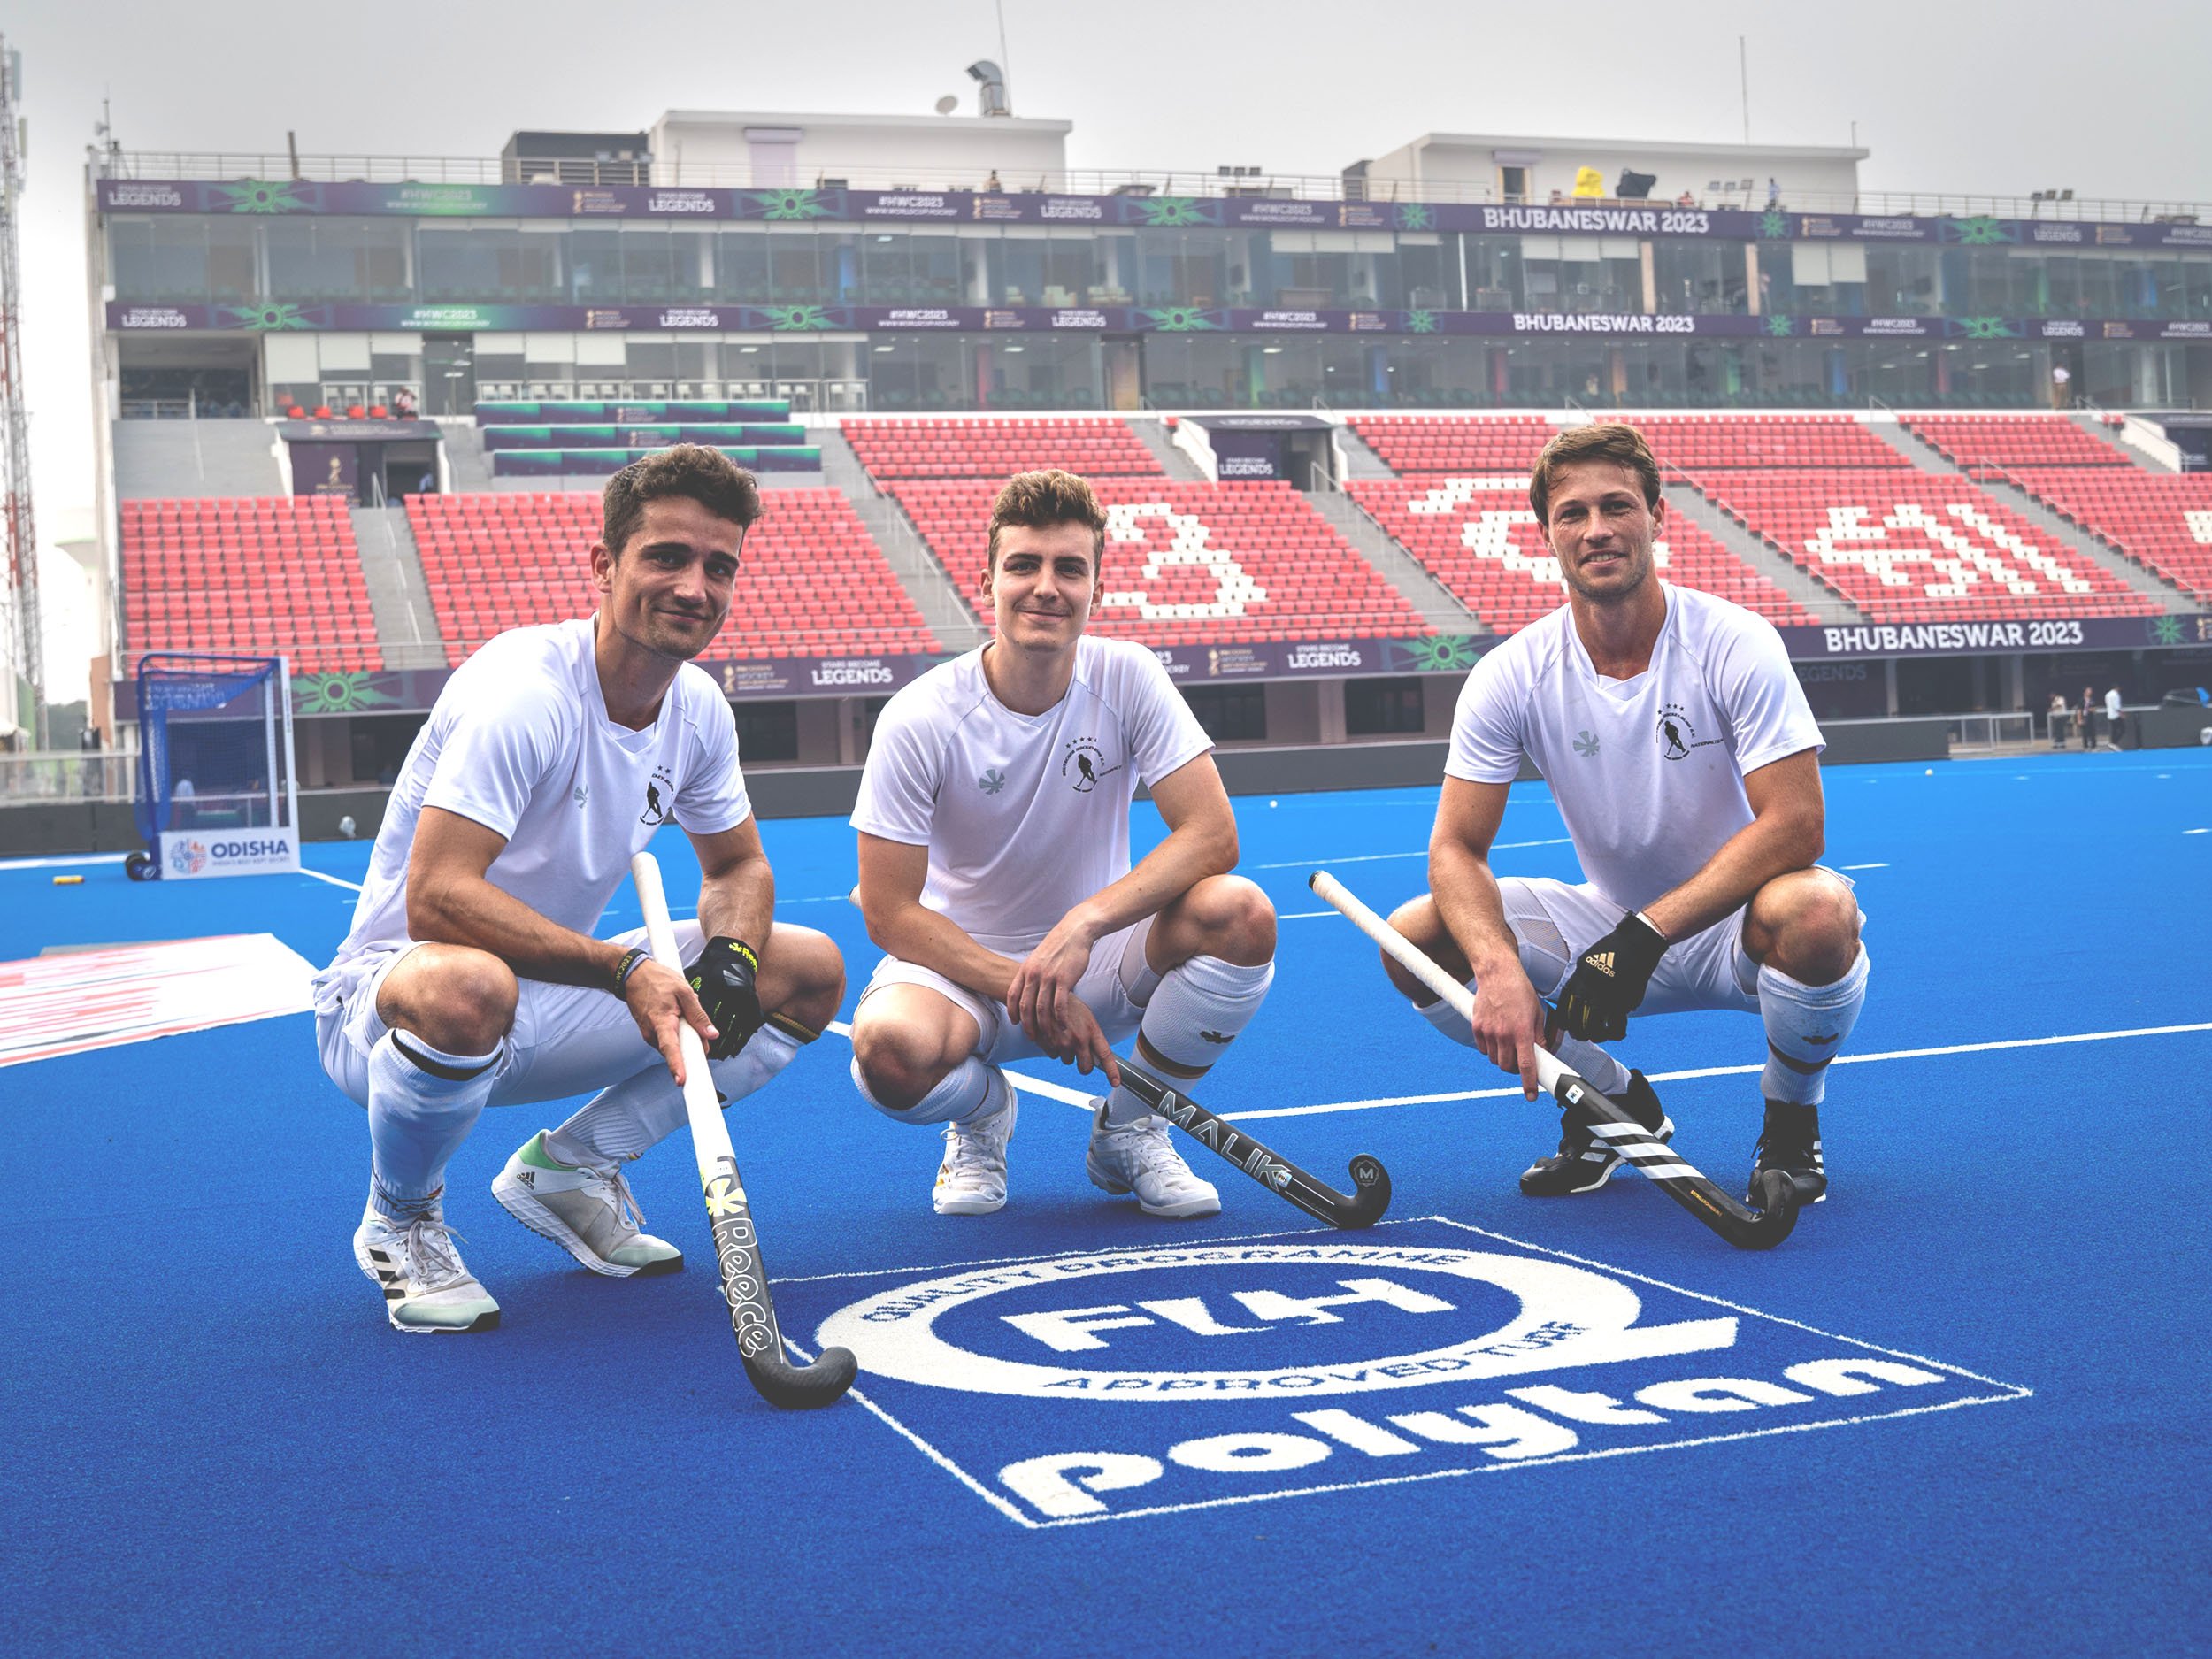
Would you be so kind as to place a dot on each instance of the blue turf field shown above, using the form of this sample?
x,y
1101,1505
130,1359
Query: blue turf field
x,y
214,1444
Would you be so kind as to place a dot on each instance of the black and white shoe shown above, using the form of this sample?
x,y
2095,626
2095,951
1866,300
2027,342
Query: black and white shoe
x,y
1790,1142
1584,1163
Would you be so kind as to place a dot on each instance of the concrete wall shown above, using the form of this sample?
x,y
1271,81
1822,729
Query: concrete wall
x,y
924,152
1471,161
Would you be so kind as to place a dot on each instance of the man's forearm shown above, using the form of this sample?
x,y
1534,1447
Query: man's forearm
x,y
1746,861
470,910
739,902
1467,899
1187,857
913,932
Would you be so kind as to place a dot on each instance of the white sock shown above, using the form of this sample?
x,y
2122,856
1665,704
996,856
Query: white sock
x,y
1808,1024
969,1091
422,1104
1199,1010
629,1119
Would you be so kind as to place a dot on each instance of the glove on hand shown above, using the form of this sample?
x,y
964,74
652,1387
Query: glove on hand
x,y
722,979
1609,981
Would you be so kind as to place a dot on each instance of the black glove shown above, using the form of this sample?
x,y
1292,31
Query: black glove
x,y
1609,982
722,978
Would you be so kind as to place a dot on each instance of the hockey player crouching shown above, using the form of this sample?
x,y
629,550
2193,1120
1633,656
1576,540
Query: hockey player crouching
x,y
993,823
471,977
1682,754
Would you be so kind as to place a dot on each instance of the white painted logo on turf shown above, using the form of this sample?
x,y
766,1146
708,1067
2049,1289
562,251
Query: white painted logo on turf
x,y
1567,1315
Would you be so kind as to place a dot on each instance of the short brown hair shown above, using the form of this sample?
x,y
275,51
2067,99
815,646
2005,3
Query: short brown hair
x,y
1040,501
690,470
1621,446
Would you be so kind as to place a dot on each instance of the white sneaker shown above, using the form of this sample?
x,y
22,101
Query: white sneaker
x,y
424,1286
1139,1158
587,1211
972,1181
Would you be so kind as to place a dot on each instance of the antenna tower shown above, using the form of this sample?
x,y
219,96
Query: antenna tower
x,y
16,529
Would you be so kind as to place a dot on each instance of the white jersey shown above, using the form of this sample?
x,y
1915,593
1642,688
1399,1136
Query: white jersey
x,y
1024,815
1648,773
519,741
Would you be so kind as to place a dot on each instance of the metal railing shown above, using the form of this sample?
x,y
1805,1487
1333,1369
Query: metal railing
x,y
67,774
1201,182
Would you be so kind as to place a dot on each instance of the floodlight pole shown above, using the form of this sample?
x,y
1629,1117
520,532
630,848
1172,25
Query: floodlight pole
x,y
16,527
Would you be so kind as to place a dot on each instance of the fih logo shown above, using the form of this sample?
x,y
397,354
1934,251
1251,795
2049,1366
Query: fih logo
x,y
1138,1380
188,858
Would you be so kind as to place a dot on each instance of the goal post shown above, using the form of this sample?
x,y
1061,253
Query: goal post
x,y
218,785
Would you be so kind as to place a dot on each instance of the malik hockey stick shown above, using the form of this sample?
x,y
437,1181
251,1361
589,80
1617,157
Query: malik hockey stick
x,y
1746,1229
736,1245
1371,1182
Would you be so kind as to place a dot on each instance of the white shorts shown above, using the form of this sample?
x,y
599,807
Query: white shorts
x,y
1115,987
567,1039
1554,922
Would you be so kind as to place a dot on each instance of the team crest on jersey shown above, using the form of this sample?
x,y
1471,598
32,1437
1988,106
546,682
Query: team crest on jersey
x,y
660,796
1084,765
992,781
1676,736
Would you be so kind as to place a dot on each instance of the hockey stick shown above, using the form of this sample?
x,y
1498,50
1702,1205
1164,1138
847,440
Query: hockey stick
x,y
736,1245
1746,1229
1371,1182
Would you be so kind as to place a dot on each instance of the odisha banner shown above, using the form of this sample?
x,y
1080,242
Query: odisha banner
x,y
1154,212
274,316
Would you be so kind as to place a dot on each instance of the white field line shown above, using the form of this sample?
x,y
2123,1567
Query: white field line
x,y
1076,1097
72,861
335,881
1375,858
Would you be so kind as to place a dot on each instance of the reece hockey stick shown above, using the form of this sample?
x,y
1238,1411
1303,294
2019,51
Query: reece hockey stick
x,y
1746,1229
736,1245
1371,1182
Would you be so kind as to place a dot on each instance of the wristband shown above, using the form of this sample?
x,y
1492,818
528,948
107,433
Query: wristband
x,y
631,959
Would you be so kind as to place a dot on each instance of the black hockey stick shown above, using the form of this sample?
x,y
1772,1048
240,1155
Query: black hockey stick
x,y
1371,1182
736,1245
1746,1228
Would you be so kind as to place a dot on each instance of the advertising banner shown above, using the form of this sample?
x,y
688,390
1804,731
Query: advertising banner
x,y
190,854
266,197
1128,320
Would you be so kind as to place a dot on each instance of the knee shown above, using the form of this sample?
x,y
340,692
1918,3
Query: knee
x,y
817,976
454,997
1236,919
1418,922
897,1069
1806,924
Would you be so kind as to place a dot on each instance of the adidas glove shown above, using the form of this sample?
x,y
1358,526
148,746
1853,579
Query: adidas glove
x,y
722,979
1609,982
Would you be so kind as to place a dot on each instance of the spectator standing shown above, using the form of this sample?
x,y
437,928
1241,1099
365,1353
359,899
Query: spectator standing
x,y
2115,716
2086,715
2058,720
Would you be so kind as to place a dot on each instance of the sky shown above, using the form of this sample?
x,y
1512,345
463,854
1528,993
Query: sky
x,y
1947,96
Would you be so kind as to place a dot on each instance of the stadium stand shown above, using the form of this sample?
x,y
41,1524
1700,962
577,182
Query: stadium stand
x,y
2161,520
1194,563
261,575
1477,537
1692,443
813,582
1917,547
581,438
1443,443
896,450
1973,442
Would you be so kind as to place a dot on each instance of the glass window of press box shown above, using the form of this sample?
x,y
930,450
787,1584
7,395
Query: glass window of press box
x,y
950,371
184,259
